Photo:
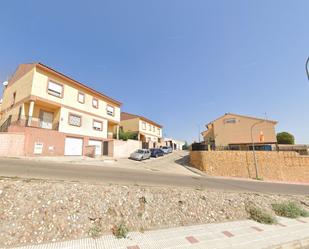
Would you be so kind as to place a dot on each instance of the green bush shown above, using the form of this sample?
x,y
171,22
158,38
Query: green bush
x,y
285,138
127,135
261,216
289,210
120,231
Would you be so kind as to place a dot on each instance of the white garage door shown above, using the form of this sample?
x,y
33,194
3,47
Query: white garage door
x,y
73,146
98,146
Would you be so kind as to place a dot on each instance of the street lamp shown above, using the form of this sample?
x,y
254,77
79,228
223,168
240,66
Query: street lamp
x,y
253,149
307,67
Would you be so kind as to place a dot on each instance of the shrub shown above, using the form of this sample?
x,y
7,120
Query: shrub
x,y
261,216
289,210
285,138
95,231
127,135
120,231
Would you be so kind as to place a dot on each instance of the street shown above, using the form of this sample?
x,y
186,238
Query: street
x,y
110,174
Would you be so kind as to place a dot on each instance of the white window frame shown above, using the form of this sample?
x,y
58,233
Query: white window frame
x,y
144,125
110,110
97,125
75,115
80,94
54,89
94,100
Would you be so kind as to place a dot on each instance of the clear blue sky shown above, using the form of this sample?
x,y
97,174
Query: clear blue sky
x,y
181,63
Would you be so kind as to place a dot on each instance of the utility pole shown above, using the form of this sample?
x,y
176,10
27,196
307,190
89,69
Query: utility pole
x,y
253,149
199,133
307,67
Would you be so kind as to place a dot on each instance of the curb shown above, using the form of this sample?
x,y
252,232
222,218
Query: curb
x,y
297,244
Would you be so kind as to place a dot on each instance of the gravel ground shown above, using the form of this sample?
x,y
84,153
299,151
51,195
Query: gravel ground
x,y
33,211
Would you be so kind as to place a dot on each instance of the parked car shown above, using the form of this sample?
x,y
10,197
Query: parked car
x,y
156,152
140,154
167,149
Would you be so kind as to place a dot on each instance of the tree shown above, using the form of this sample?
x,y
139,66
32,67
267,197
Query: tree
x,y
185,146
127,135
285,138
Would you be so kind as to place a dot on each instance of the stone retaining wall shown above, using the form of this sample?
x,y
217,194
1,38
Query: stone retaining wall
x,y
277,166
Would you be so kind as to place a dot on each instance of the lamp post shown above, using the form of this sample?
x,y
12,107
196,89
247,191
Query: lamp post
x,y
307,67
253,149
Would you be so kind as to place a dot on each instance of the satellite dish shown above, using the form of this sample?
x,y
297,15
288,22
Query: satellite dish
x,y
5,83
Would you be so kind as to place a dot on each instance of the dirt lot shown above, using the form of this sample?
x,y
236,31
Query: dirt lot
x,y
36,211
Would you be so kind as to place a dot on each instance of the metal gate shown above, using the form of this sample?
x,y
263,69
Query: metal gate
x,y
105,148
145,145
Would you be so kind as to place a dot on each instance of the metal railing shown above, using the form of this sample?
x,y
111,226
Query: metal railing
x,y
5,125
27,121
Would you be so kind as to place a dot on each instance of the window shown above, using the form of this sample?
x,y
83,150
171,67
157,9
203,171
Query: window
x,y
55,89
95,103
75,120
153,129
110,110
149,127
144,125
81,97
230,120
13,99
159,131
97,125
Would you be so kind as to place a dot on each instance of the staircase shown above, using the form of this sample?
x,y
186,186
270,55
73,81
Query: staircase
x,y
4,127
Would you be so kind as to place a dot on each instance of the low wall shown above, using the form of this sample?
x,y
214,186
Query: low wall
x,y
277,166
12,144
123,149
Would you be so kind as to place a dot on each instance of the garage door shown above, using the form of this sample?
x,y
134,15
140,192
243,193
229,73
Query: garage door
x,y
73,146
98,146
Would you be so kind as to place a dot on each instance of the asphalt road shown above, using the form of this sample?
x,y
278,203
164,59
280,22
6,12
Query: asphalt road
x,y
109,175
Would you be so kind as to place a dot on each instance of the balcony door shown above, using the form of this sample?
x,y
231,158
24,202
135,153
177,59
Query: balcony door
x,y
46,120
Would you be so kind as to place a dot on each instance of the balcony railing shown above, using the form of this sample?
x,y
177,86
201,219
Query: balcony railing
x,y
26,121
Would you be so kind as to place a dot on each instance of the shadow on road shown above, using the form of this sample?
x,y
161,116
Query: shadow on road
x,y
184,161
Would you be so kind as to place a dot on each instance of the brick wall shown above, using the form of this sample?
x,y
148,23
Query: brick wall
x,y
277,166
12,144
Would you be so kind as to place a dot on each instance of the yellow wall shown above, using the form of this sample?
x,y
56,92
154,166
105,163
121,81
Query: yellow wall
x,y
150,132
86,128
70,95
130,124
240,132
136,124
22,87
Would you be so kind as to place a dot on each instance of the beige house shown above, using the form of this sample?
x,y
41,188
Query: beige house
x,y
57,114
237,132
148,131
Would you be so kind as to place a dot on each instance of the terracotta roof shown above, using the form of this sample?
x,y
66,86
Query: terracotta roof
x,y
24,68
243,116
126,116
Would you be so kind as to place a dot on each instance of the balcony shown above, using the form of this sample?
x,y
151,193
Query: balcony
x,y
36,122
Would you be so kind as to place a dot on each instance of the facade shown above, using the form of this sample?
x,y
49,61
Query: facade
x,y
234,131
59,115
148,131
175,144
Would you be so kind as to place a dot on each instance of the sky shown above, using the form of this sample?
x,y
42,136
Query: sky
x,y
181,63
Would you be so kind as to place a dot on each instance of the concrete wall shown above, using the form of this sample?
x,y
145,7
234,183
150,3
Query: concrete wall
x,y
277,166
123,149
12,144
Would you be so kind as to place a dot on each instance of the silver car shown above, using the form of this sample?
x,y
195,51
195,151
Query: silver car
x,y
167,149
140,154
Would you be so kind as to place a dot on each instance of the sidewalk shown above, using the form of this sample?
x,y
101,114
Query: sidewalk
x,y
245,234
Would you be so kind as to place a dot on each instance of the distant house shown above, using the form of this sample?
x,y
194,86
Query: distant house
x,y
147,130
234,131
175,144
